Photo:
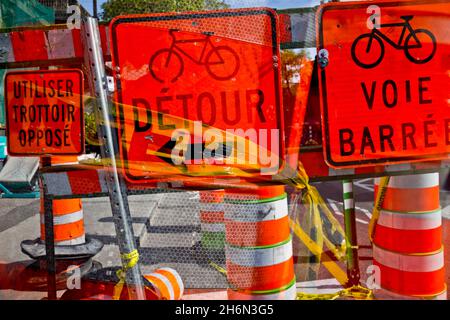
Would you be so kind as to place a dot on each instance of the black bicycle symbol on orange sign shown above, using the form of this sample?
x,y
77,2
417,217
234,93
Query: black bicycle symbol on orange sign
x,y
221,62
419,45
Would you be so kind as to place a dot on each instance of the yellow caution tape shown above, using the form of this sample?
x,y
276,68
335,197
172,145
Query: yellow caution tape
x,y
312,199
330,265
236,164
218,268
384,181
355,292
315,203
129,260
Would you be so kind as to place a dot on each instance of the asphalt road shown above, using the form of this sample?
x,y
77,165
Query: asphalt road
x,y
167,229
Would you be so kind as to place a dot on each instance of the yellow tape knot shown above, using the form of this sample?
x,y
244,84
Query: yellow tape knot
x,y
129,260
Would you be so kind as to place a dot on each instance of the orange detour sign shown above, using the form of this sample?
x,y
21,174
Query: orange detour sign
x,y
198,92
384,81
44,112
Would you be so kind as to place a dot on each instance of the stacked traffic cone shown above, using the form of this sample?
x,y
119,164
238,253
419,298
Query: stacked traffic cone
x,y
72,247
212,223
408,238
258,245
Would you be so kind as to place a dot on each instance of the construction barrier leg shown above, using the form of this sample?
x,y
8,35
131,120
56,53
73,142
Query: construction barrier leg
x,y
407,243
258,245
353,273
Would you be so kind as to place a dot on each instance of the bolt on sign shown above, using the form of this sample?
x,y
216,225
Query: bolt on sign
x,y
384,81
198,92
44,112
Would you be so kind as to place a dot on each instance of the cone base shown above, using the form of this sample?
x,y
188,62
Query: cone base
x,y
35,249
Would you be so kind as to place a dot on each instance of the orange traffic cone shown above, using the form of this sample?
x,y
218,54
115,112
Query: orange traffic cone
x,y
69,234
211,218
408,237
68,222
258,245
166,283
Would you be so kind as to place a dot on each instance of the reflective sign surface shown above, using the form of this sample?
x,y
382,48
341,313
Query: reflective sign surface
x,y
384,81
198,91
44,112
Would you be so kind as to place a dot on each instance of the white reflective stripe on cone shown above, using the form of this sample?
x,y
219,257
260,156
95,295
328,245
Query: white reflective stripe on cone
x,y
409,263
178,277
257,212
166,283
71,242
288,294
211,207
414,181
410,221
259,257
65,218
213,227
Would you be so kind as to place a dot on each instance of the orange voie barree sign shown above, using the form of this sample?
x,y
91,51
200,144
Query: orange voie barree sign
x,y
386,89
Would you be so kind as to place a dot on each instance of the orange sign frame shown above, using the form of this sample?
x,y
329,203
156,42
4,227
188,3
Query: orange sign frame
x,y
384,82
194,86
44,112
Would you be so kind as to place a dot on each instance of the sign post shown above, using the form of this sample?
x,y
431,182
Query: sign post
x,y
115,183
384,82
204,92
44,111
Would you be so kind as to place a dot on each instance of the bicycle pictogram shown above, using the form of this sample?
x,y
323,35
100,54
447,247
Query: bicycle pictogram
x,y
221,62
419,45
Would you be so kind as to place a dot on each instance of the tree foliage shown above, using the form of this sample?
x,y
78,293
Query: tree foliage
x,y
292,61
112,8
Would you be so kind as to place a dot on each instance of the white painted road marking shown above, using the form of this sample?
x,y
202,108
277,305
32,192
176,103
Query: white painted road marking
x,y
333,205
366,184
365,211
446,212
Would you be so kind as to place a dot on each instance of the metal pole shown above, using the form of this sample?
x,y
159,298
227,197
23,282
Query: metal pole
x,y
350,234
49,239
94,8
116,186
